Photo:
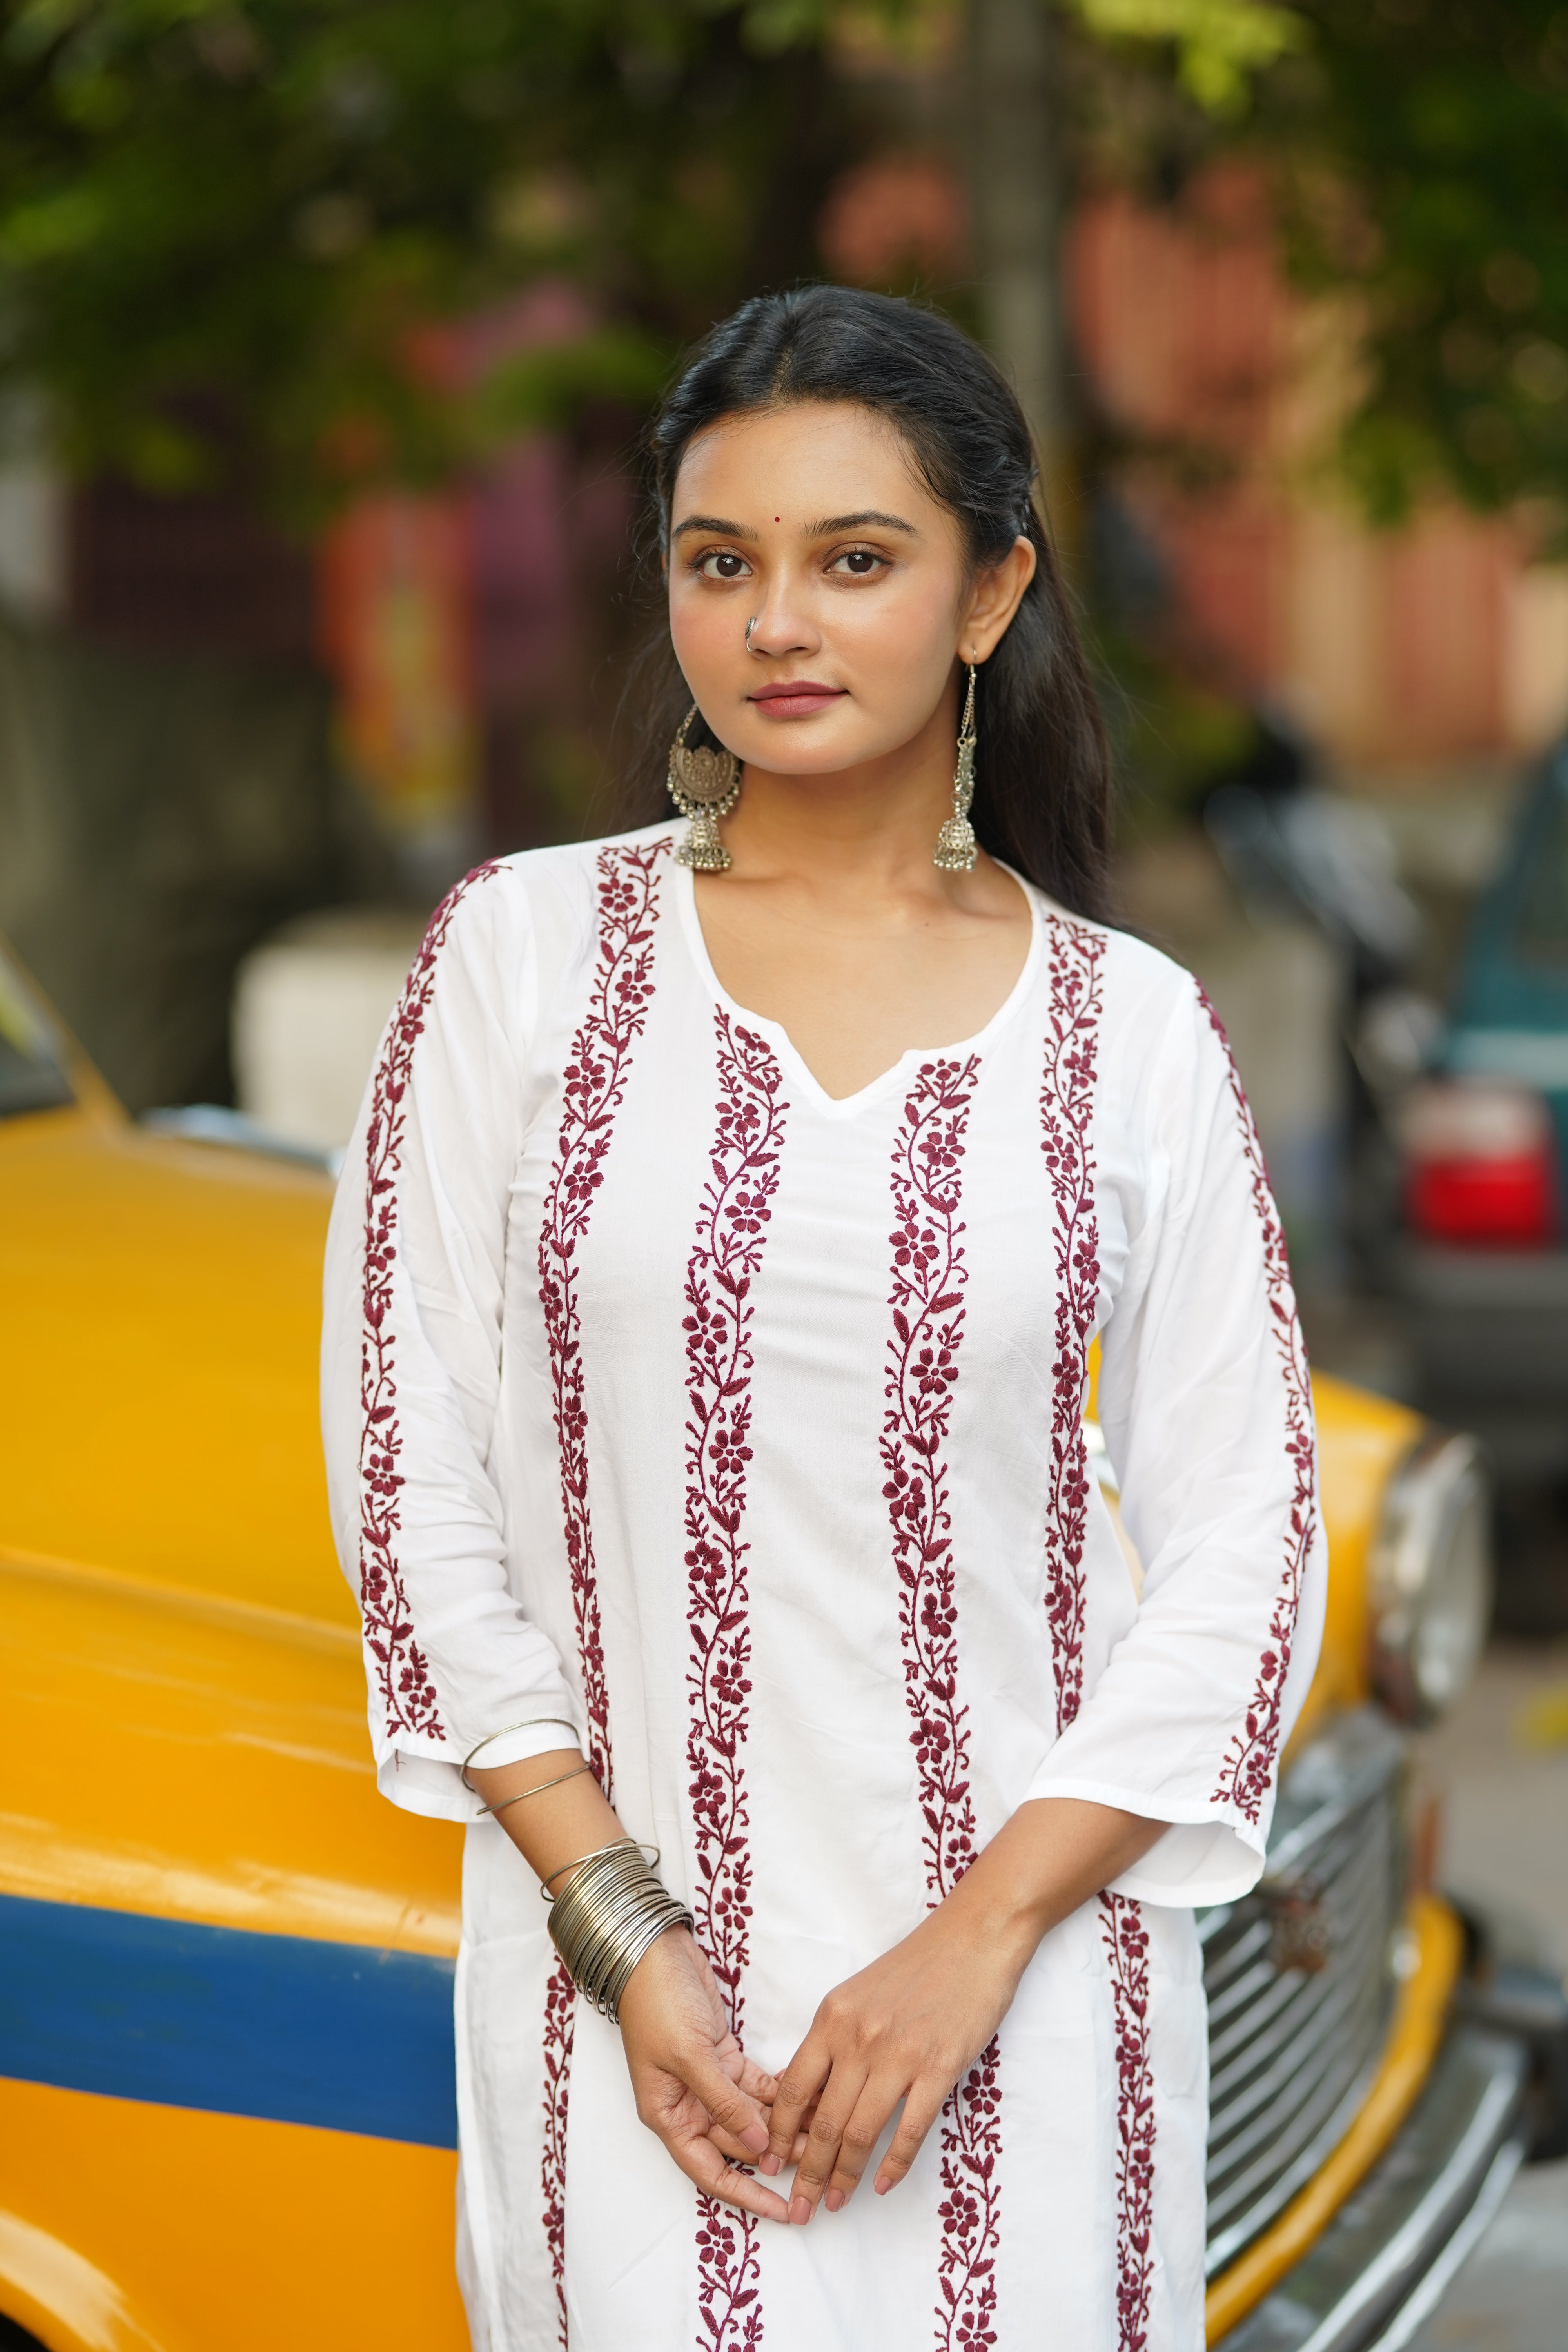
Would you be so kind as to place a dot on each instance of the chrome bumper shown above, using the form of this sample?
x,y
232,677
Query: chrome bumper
x,y
1386,2258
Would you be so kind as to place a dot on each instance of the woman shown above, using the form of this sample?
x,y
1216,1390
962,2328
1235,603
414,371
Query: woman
x,y
709,1301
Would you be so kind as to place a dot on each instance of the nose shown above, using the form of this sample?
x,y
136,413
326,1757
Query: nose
x,y
779,627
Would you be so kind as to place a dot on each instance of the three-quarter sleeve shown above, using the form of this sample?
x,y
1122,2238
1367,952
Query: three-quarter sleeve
x,y
415,1282
1206,1410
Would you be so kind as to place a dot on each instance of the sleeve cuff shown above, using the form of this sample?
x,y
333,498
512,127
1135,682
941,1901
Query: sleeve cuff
x,y
1200,1860
419,1782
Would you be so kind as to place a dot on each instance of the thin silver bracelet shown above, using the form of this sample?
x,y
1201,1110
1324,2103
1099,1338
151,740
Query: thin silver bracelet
x,y
527,1724
537,1790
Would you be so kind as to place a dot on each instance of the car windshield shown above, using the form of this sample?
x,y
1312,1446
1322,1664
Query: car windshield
x,y
1542,933
31,1070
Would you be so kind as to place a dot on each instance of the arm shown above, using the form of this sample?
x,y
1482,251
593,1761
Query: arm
x,y
415,1284
695,2089
911,2025
1206,1402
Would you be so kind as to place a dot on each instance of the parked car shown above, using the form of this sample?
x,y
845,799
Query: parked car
x,y
226,2095
1482,1268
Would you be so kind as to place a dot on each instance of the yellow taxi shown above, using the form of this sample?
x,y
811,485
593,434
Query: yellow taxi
x,y
228,2115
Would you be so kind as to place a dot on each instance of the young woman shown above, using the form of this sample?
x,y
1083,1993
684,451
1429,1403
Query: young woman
x,y
709,1301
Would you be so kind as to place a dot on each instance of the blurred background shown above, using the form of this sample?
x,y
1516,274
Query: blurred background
x,y
326,337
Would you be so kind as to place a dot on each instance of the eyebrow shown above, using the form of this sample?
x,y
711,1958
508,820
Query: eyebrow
x,y
717,524
723,528
834,523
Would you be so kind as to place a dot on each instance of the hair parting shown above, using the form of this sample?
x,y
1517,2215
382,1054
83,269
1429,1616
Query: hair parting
x,y
1042,777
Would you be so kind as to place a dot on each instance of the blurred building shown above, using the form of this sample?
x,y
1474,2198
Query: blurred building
x,y
1395,651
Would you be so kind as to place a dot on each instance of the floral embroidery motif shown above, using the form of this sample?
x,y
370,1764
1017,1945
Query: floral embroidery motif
x,y
1248,1766
1127,1943
927,1301
402,1672
731,1231
560,2020
1067,1110
594,1085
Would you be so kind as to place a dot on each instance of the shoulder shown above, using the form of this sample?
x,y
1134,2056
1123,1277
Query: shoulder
x,y
546,900
1136,989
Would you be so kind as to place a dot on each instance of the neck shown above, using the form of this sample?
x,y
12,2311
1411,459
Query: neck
x,y
866,827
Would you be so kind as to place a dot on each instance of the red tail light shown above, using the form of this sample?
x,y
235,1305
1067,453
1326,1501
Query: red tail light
x,y
1481,1165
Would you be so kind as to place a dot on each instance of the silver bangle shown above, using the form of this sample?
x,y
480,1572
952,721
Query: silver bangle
x,y
547,1893
537,1790
611,1911
526,1725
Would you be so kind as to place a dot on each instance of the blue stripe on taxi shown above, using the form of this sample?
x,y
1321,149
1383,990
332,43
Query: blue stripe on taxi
x,y
295,2031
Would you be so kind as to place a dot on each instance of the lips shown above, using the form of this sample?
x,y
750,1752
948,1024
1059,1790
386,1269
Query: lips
x,y
795,698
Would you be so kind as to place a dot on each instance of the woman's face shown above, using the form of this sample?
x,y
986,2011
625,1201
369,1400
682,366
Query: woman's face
x,y
812,518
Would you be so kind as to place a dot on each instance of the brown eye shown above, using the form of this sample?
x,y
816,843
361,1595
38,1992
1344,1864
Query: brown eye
x,y
860,562
723,563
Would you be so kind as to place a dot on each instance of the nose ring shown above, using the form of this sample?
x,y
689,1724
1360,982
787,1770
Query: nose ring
x,y
751,624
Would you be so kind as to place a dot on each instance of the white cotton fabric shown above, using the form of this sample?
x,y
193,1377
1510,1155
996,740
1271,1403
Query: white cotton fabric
x,y
564,1097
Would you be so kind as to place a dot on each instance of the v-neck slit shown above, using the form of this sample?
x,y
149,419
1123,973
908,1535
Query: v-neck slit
x,y
885,1082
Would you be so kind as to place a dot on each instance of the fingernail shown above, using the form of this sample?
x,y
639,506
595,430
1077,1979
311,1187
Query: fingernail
x,y
770,2165
882,2185
755,2137
834,2200
799,2212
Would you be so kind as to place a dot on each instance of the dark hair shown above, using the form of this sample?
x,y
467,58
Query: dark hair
x,y
1043,791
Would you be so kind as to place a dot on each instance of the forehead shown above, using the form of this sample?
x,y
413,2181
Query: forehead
x,y
809,459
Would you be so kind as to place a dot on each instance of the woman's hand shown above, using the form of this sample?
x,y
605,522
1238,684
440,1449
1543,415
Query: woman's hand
x,y
910,2026
695,2088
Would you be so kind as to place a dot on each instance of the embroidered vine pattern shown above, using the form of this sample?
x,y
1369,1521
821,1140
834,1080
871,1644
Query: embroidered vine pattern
x,y
1248,1766
731,1232
595,1082
929,1279
1075,955
1127,1943
560,2021
402,1672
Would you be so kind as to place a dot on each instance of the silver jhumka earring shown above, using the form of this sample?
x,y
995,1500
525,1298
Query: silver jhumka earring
x,y
956,846
704,786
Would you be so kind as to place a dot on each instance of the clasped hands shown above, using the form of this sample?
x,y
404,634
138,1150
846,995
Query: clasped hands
x,y
906,2028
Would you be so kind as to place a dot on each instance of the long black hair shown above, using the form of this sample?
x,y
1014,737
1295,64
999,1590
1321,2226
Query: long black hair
x,y
1043,788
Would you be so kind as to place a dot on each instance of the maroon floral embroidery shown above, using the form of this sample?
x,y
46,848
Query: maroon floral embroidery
x,y
594,1083
1127,1942
1066,1109
560,2020
1249,1765
927,1301
402,1672
731,1231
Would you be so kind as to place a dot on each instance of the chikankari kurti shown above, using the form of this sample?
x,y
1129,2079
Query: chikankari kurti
x,y
743,1428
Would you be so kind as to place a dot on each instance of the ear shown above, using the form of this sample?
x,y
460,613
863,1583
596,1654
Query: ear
x,y
994,600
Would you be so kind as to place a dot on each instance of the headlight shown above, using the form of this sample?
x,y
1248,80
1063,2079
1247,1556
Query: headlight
x,y
1431,1579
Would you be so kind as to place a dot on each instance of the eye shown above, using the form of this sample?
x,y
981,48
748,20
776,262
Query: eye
x,y
858,562
722,563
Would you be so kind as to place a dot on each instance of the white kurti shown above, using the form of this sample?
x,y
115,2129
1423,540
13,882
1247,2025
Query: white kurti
x,y
742,1428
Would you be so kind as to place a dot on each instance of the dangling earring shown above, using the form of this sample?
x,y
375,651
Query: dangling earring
x,y
704,786
955,844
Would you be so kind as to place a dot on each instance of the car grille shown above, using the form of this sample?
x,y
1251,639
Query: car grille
x,y
1300,1977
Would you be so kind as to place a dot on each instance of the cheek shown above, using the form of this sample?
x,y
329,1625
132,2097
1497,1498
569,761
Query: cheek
x,y
904,635
704,630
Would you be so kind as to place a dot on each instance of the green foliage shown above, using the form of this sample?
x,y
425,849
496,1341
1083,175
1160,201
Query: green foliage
x,y
1219,44
227,229
1427,177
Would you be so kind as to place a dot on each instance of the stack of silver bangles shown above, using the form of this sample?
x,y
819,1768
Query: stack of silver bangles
x,y
609,1912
